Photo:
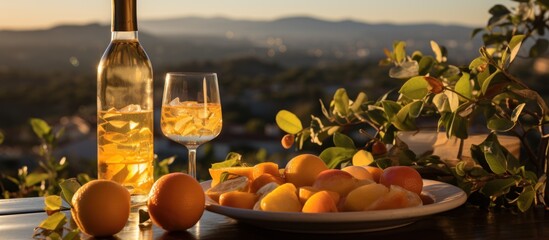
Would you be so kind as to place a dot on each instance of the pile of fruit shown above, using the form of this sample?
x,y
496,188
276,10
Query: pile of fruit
x,y
307,185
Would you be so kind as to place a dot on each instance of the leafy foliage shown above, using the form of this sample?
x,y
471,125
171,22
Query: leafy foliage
x,y
456,96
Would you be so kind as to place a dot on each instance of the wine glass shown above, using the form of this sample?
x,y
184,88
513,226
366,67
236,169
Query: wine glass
x,y
191,111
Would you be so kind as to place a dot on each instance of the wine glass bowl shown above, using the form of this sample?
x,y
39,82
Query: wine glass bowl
x,y
191,111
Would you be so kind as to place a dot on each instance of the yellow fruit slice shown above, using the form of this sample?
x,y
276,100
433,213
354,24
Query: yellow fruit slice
x,y
282,199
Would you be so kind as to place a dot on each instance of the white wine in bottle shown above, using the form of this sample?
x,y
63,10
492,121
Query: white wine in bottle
x,y
125,107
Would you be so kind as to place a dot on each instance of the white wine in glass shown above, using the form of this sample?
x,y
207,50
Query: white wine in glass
x,y
191,111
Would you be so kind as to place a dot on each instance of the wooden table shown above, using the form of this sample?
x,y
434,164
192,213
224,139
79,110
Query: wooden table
x,y
18,218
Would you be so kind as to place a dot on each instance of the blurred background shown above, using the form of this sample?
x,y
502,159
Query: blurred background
x,y
268,55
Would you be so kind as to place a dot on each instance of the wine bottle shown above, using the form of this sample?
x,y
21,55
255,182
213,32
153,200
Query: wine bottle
x,y
125,106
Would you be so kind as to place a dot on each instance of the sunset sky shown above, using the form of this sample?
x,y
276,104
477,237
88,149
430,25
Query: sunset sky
x,y
30,14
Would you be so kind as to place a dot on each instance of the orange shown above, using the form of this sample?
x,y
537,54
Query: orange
x,y
215,173
176,202
265,167
262,180
320,202
303,169
238,199
402,176
101,208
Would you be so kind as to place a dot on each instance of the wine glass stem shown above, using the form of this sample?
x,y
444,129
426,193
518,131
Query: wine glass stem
x,y
192,161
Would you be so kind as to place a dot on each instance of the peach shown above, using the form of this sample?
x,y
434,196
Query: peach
x,y
306,192
335,180
320,202
303,169
362,157
358,172
397,197
363,196
281,199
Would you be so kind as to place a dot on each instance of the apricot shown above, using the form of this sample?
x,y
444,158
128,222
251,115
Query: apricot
x,y
375,171
397,197
335,180
238,199
303,169
403,176
306,192
262,180
363,196
265,167
358,172
320,202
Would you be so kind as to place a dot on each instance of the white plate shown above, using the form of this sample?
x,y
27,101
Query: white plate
x,y
445,197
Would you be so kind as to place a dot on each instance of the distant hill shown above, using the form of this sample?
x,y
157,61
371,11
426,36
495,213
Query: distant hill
x,y
290,41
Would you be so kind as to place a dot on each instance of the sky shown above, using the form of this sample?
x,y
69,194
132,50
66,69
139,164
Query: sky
x,y
35,14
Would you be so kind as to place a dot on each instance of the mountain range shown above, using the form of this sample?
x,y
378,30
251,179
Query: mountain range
x,y
289,41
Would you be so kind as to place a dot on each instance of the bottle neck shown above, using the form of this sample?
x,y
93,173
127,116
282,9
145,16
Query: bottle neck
x,y
124,35
124,16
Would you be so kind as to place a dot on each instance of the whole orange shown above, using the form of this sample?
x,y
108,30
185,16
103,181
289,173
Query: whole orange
x,y
101,208
176,202
402,176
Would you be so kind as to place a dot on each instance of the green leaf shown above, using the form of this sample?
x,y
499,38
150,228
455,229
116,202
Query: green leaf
x,y
494,154
68,189
415,109
514,46
415,88
40,127
342,140
83,178
400,53
441,102
403,121
390,108
341,102
233,159
52,203
54,222
438,52
497,187
288,122
463,86
525,199
458,126
487,81
361,98
404,70
1,137
167,161
334,156
34,178
539,48
517,111
453,100
476,31
425,65
500,124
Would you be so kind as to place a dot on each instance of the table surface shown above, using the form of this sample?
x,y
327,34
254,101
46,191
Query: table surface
x,y
464,222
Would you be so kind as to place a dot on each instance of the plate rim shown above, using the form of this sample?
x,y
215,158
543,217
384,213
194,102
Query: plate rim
x,y
455,199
